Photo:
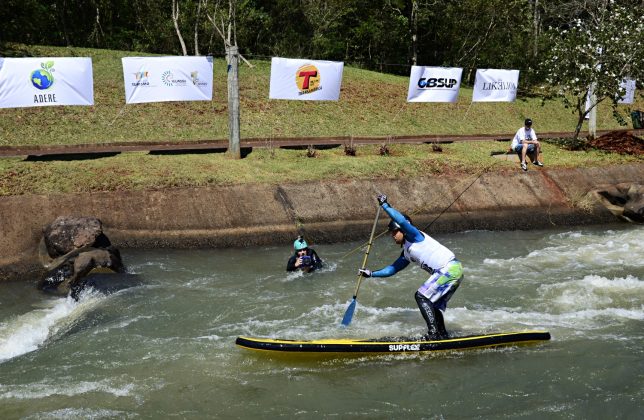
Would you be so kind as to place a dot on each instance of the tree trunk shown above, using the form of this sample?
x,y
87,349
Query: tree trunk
x,y
232,57
413,25
535,29
61,10
199,3
175,20
577,130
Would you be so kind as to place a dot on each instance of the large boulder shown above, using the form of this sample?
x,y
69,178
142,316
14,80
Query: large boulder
x,y
76,247
66,234
625,201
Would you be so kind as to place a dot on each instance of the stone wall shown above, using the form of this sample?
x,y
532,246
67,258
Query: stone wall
x,y
248,215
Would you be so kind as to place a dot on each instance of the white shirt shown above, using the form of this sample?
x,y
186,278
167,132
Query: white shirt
x,y
523,134
429,254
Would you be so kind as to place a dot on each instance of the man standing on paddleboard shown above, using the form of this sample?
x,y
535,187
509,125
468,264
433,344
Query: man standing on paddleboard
x,y
446,272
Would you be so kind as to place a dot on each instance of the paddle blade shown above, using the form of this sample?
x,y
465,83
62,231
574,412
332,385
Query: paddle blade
x,y
348,315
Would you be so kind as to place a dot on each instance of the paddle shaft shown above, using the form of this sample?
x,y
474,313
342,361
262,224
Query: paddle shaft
x,y
366,254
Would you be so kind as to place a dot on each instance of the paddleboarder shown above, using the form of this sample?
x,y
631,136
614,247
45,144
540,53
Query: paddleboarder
x,y
446,272
304,258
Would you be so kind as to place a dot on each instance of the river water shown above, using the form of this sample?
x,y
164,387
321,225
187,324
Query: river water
x,y
160,343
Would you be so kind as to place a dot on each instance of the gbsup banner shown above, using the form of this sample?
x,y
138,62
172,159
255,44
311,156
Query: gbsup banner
x,y
163,79
47,81
493,85
434,84
305,80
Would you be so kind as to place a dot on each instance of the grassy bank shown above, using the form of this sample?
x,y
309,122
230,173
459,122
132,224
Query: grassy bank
x,y
141,171
371,104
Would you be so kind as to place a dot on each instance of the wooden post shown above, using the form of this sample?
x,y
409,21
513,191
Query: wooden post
x,y
232,57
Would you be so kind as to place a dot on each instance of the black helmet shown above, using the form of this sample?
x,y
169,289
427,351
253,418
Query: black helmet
x,y
392,226
527,122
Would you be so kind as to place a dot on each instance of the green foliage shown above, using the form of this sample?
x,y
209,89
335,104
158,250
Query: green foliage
x,y
375,35
600,50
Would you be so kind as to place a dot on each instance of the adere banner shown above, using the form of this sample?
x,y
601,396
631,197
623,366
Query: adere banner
x,y
46,81
434,84
165,79
494,85
305,80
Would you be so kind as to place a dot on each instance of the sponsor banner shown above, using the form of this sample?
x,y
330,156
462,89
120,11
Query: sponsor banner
x,y
494,85
46,81
164,79
434,84
305,80
629,96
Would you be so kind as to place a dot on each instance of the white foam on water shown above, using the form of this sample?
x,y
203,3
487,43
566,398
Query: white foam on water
x,y
324,321
46,389
201,283
587,322
370,322
144,266
595,292
27,332
81,413
587,250
328,266
122,324
294,275
297,275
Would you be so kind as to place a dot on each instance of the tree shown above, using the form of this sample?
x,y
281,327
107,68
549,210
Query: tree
x,y
175,20
325,18
600,48
479,34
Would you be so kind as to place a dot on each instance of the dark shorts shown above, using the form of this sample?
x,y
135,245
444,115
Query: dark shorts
x,y
520,147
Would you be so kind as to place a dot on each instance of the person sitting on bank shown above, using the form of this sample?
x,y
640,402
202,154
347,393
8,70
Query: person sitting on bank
x,y
525,142
304,258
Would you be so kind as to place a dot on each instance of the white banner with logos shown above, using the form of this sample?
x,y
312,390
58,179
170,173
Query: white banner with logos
x,y
629,96
494,85
434,84
305,80
46,81
164,79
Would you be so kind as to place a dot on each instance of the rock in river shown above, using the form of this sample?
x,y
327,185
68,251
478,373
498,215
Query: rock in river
x,y
76,247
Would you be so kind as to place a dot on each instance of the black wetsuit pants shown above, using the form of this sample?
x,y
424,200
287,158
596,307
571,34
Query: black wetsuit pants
x,y
433,317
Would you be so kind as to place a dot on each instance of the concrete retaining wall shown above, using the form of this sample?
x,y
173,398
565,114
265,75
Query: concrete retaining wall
x,y
246,215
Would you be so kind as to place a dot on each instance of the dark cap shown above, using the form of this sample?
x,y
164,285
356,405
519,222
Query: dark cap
x,y
527,121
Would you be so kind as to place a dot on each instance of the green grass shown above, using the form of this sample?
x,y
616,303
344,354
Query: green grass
x,y
141,171
371,104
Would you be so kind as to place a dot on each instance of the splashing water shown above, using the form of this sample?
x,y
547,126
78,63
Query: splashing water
x,y
166,347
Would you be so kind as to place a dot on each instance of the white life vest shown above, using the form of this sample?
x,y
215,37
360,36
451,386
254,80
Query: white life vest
x,y
429,254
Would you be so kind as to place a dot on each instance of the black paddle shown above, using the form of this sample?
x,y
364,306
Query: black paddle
x,y
348,315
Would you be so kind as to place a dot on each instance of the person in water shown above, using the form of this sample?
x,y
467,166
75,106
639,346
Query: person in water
x,y
304,258
445,271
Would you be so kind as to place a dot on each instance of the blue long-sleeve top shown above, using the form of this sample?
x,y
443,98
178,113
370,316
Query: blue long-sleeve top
x,y
411,234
